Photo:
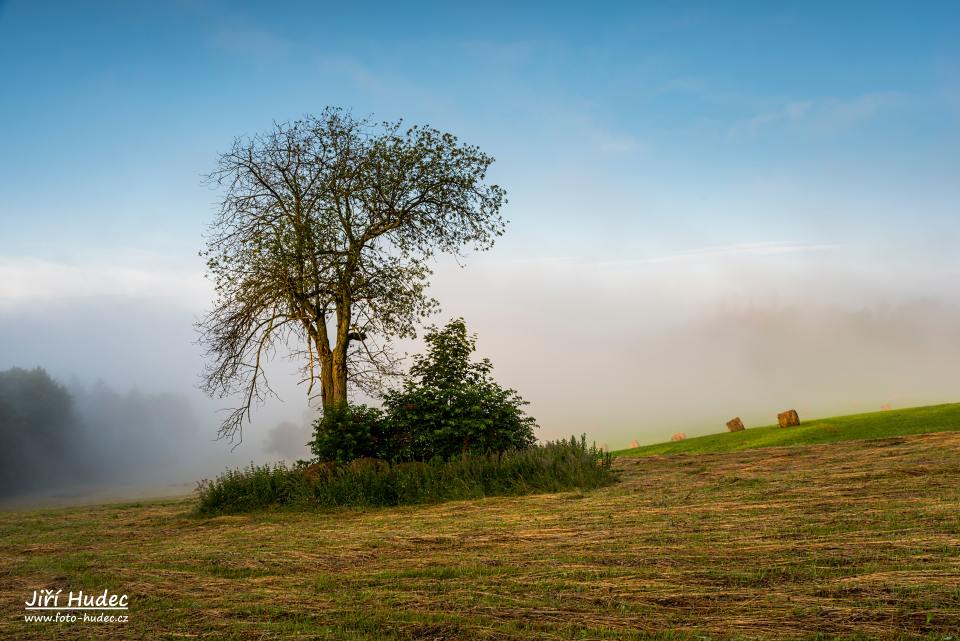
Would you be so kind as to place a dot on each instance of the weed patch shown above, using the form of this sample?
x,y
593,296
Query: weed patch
x,y
554,467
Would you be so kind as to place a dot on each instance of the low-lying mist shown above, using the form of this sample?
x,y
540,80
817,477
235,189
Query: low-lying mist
x,y
618,350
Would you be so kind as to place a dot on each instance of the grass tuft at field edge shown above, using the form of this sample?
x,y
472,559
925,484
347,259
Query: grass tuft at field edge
x,y
553,467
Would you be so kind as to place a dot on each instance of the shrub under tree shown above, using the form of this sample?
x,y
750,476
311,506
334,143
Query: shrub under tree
x,y
451,405
347,432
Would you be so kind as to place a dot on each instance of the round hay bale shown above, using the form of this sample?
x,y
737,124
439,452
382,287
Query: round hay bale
x,y
679,436
735,425
790,418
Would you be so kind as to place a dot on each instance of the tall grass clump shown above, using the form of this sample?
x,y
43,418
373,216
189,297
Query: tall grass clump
x,y
554,467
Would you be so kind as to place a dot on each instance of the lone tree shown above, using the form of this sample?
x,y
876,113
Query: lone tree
x,y
321,247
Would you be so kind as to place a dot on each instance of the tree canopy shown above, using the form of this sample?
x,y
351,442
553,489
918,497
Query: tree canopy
x,y
322,244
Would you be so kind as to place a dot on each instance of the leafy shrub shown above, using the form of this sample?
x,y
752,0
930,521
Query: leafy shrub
x,y
451,405
558,466
348,432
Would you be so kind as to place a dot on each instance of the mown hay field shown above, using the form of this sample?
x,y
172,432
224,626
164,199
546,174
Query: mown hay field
x,y
859,539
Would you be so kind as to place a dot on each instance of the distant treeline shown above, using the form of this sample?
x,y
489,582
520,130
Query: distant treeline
x,y
57,436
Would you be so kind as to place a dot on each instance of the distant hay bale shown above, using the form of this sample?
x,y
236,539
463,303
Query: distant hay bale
x,y
886,407
603,447
634,444
790,418
735,425
679,436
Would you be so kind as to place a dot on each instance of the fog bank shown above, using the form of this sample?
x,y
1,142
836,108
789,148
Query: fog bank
x,y
619,349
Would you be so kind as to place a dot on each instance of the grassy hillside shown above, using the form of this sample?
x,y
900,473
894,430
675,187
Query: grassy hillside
x,y
855,540
915,420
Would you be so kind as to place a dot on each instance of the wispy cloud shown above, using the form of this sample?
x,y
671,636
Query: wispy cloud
x,y
511,53
596,131
617,143
820,116
254,42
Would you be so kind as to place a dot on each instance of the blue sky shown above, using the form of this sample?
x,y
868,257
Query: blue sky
x,y
685,125
712,157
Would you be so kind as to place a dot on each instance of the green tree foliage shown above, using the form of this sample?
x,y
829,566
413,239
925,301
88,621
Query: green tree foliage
x,y
346,432
450,404
322,247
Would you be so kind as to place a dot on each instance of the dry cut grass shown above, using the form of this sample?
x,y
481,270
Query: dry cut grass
x,y
859,539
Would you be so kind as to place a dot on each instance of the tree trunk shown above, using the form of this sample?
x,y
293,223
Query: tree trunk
x,y
338,359
326,380
338,383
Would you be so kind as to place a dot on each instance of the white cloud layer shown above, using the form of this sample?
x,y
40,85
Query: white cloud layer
x,y
24,282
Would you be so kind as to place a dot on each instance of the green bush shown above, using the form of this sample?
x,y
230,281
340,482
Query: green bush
x,y
554,467
349,432
451,405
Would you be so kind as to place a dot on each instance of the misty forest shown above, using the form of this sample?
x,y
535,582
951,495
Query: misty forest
x,y
60,436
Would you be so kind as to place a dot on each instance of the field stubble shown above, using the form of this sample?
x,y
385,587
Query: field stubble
x,y
859,539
